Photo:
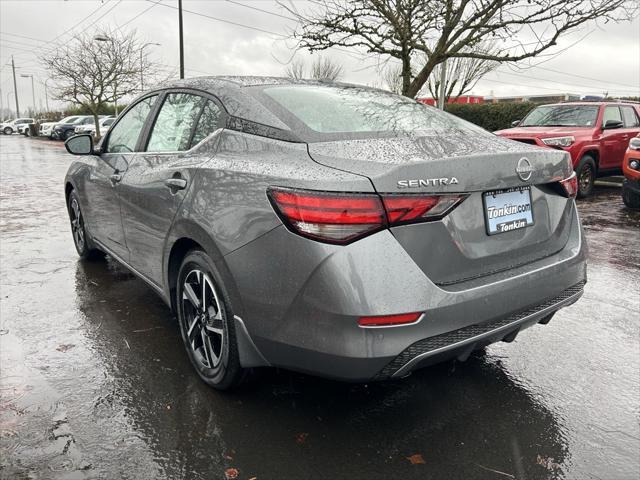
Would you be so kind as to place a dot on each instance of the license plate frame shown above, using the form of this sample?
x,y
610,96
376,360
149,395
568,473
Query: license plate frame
x,y
510,197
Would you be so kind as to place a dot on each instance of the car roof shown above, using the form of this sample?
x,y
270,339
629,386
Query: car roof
x,y
597,104
239,103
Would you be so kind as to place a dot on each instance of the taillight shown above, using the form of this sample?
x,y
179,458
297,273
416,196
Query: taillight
x,y
390,320
343,217
570,185
417,208
329,217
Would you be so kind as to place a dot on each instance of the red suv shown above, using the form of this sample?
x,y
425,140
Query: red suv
x,y
596,134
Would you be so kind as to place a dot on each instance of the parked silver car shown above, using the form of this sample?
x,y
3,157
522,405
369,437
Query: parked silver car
x,y
327,228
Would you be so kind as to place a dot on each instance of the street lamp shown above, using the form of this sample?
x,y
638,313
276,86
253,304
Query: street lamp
x,y
46,94
104,38
141,65
33,91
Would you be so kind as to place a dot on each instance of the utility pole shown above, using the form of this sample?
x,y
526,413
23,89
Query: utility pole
x,y
15,87
181,39
46,95
443,80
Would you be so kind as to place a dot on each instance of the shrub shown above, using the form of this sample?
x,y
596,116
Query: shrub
x,y
491,116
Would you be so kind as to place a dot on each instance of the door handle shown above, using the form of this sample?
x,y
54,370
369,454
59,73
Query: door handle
x,y
115,178
175,184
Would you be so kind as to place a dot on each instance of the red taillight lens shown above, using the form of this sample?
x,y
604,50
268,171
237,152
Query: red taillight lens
x,y
343,217
330,217
389,320
570,185
415,208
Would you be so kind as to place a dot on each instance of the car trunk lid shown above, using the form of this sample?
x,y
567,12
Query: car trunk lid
x,y
458,247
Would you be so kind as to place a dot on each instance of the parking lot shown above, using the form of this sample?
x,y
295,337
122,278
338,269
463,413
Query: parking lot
x,y
95,383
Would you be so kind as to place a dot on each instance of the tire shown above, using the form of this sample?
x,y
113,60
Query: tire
x,y
68,134
207,327
8,131
586,173
81,240
630,198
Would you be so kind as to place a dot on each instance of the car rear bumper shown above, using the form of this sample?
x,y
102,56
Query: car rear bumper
x,y
301,300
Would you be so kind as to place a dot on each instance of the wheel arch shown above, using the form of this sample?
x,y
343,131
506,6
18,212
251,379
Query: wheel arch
x,y
593,153
184,237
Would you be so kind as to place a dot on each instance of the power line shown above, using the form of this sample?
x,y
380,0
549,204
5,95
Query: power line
x,y
586,78
23,36
564,83
262,10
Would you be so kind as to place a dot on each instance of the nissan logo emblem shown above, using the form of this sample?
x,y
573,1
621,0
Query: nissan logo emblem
x,y
524,169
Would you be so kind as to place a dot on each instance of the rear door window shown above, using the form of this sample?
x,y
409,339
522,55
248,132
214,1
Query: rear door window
x,y
207,123
630,117
173,127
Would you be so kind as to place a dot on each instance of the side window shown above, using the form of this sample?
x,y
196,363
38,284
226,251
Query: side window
x,y
124,135
173,127
208,122
630,117
611,113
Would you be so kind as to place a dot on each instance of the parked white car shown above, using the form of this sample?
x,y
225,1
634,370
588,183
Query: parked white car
x,y
105,124
12,126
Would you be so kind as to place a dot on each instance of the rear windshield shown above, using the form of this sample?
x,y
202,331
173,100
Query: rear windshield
x,y
318,112
562,116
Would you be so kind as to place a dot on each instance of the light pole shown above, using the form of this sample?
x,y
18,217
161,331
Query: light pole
x,y
15,87
46,94
104,38
181,39
141,64
33,91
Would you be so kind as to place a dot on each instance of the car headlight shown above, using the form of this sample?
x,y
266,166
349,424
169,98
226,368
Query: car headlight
x,y
559,141
634,144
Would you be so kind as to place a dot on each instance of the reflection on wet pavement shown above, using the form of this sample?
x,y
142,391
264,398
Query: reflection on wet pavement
x,y
94,382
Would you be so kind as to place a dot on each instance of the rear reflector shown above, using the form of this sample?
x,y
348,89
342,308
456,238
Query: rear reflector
x,y
340,218
570,185
389,320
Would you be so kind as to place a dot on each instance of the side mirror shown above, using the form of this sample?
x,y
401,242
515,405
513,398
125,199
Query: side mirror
x,y
515,123
80,144
611,124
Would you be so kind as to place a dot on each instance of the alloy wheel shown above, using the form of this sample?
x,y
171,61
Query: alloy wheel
x,y
77,224
204,318
586,179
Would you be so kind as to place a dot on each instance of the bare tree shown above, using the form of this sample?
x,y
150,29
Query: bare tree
x,y
322,68
461,75
295,70
444,29
392,78
92,73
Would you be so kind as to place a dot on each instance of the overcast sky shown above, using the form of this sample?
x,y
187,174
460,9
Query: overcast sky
x,y
607,59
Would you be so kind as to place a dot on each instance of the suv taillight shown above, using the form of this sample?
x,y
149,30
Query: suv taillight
x,y
341,218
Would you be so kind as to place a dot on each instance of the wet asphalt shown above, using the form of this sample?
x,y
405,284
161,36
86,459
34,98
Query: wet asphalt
x,y
94,382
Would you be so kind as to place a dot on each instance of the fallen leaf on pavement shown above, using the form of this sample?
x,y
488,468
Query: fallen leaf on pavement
x,y
64,347
416,459
231,473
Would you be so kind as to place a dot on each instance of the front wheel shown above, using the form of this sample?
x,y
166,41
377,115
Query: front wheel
x,y
80,239
68,134
206,322
8,131
630,197
586,173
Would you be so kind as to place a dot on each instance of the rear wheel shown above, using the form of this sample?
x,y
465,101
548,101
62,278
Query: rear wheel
x,y
8,131
586,173
68,134
206,322
82,242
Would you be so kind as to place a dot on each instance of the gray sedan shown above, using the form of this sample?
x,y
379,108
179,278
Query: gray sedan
x,y
327,228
